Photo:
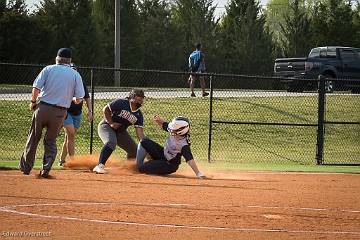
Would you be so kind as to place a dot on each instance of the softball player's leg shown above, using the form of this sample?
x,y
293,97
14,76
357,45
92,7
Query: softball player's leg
x,y
71,124
140,155
148,146
126,143
68,126
159,164
108,137
55,118
159,167
28,157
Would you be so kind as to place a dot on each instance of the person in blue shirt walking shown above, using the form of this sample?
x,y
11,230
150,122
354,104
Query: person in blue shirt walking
x,y
53,91
197,65
118,116
72,124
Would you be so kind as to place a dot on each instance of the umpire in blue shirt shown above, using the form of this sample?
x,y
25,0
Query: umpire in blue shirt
x,y
53,90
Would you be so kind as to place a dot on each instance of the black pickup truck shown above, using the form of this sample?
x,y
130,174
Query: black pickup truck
x,y
332,62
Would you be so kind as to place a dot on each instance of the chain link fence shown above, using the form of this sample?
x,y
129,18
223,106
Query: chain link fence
x,y
263,126
247,120
283,127
341,126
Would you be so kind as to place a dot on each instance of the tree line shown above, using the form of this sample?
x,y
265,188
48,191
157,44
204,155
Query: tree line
x,y
160,34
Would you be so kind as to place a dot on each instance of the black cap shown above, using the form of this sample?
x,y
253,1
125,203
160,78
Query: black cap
x,y
64,52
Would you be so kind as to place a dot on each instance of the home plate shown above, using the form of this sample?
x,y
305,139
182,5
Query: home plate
x,y
271,216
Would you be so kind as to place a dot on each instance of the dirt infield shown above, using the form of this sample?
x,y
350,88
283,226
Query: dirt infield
x,y
77,204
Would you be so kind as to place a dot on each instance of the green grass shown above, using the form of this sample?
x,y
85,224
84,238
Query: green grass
x,y
234,147
279,167
231,167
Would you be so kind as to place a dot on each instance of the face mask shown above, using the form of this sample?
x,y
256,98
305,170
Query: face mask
x,y
138,105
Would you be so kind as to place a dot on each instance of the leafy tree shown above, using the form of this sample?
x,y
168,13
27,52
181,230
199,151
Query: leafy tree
x,y
275,14
246,45
130,31
2,7
15,6
295,31
103,15
332,23
85,37
70,24
158,36
195,22
21,37
356,22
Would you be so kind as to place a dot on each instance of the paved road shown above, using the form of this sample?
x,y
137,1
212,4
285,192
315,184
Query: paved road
x,y
176,94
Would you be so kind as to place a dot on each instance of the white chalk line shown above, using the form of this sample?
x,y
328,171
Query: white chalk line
x,y
302,208
186,205
10,207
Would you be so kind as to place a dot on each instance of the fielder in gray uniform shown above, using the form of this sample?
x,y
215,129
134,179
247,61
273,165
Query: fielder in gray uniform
x,y
118,116
53,90
166,160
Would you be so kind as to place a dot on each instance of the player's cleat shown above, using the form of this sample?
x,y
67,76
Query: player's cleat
x,y
100,168
205,94
61,163
44,173
193,95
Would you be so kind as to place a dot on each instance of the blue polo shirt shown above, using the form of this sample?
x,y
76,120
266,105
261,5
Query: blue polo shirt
x,y
58,84
121,113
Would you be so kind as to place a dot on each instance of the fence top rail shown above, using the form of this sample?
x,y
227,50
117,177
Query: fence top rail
x,y
151,71
282,79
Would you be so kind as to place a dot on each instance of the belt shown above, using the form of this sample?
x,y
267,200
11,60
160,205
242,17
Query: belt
x,y
53,105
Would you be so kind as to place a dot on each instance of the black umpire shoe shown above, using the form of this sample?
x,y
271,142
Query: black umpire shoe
x,y
23,170
44,173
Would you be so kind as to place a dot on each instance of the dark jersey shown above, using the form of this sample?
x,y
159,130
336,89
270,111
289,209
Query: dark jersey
x,y
76,109
176,147
121,113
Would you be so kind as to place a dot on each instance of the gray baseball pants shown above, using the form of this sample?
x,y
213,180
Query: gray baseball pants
x,y
111,137
51,118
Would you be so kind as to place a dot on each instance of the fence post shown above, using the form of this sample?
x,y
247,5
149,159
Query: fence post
x,y
117,49
321,120
210,119
92,107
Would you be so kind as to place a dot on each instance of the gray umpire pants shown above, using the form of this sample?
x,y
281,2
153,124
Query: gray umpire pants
x,y
51,118
111,137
